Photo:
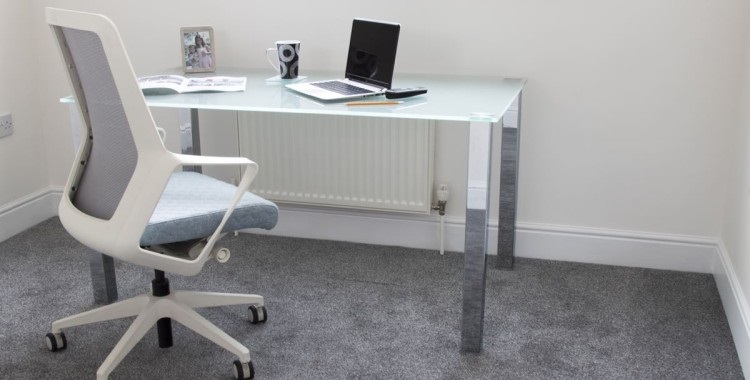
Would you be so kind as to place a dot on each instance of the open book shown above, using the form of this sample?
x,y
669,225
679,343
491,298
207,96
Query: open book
x,y
172,84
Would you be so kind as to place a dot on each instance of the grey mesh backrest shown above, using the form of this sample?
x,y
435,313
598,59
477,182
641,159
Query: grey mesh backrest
x,y
113,154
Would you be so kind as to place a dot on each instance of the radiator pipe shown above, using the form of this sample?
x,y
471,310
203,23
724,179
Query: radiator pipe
x,y
442,235
442,197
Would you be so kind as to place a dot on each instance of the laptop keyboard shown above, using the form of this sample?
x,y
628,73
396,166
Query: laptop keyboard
x,y
341,88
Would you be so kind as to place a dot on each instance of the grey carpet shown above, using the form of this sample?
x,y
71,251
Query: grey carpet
x,y
353,311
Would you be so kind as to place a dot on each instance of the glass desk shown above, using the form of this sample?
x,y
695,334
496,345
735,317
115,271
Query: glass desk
x,y
480,102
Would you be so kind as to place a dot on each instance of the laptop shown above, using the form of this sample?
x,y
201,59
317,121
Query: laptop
x,y
370,61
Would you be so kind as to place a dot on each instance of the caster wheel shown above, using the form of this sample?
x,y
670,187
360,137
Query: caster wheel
x,y
257,314
56,342
243,371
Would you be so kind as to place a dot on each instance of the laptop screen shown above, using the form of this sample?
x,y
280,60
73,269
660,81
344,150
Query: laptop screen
x,y
372,52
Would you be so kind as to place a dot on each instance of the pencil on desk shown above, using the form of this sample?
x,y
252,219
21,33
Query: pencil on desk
x,y
375,103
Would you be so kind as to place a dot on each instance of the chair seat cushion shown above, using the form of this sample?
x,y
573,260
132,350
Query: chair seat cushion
x,y
193,205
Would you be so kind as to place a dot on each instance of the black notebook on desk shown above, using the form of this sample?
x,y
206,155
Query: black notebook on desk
x,y
370,61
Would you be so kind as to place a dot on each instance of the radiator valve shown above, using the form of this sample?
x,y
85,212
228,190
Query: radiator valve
x,y
442,197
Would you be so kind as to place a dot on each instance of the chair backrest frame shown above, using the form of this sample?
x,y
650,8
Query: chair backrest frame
x,y
119,235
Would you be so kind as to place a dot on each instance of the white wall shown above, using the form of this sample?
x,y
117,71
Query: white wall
x,y
23,162
628,110
736,230
24,169
733,277
627,105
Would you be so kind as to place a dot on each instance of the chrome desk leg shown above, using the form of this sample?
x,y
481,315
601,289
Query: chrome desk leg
x,y
475,245
190,135
103,278
506,231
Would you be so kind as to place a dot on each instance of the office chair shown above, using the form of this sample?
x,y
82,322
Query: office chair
x,y
126,198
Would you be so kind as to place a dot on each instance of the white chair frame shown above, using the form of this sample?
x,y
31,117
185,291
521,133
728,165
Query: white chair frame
x,y
119,236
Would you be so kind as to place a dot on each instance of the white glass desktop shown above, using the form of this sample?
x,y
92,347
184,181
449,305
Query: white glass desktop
x,y
481,102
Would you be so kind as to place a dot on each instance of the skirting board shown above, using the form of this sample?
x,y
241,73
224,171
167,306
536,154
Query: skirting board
x,y
19,215
735,304
565,243
539,241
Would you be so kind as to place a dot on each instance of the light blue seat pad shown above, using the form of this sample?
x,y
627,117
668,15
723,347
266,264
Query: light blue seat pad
x,y
193,205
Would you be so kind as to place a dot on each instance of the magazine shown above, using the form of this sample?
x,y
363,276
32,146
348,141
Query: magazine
x,y
174,84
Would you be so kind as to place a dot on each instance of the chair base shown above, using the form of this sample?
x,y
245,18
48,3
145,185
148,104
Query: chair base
x,y
149,309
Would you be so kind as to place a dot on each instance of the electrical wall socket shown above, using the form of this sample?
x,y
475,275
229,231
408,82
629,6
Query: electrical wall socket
x,y
6,125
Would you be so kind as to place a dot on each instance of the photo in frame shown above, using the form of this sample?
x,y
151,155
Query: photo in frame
x,y
198,49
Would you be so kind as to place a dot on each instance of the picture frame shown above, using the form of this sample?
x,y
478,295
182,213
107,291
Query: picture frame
x,y
195,58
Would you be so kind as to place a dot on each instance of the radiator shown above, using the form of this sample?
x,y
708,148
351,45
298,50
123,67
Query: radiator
x,y
341,161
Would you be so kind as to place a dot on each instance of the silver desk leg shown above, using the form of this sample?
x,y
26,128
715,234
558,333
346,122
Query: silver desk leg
x,y
103,278
190,136
475,245
506,231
